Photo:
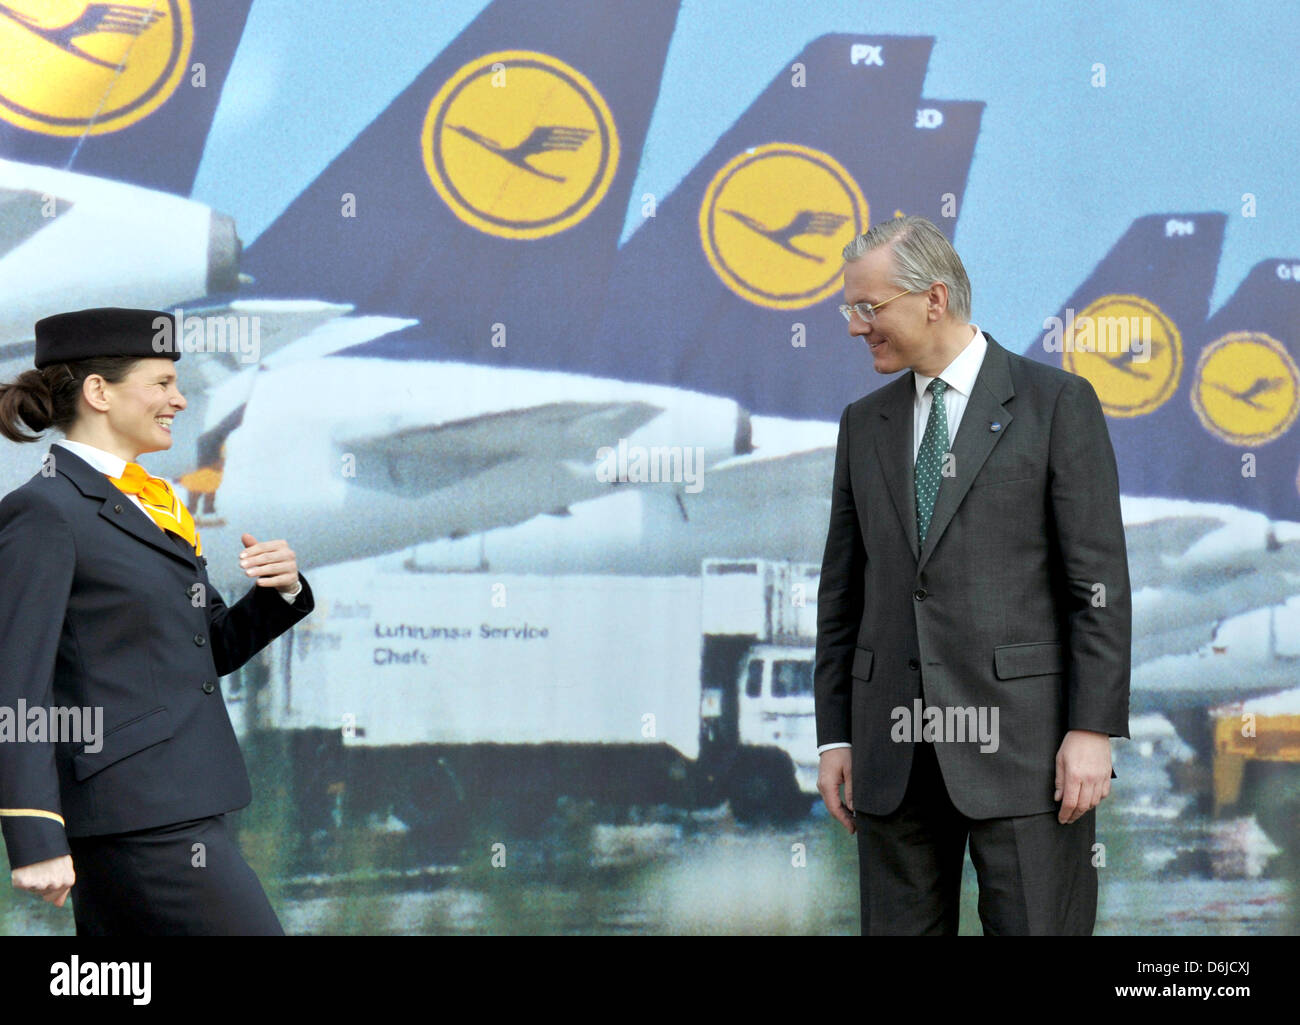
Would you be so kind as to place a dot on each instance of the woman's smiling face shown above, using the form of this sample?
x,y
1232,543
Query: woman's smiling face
x,y
142,406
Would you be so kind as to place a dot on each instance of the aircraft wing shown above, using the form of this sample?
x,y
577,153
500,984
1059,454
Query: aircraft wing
x,y
1182,640
1175,622
791,460
560,436
1168,537
217,385
243,333
333,336
301,332
1179,618
22,215
764,478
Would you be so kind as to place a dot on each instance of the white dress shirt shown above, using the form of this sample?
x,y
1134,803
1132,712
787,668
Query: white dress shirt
x,y
115,466
959,376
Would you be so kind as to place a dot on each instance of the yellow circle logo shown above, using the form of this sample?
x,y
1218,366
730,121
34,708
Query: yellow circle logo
x,y
773,222
520,145
1247,388
1130,352
76,68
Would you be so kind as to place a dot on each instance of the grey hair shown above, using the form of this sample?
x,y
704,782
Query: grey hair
x,y
922,256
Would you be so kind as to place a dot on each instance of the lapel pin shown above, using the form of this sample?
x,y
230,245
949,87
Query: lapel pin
x,y
995,427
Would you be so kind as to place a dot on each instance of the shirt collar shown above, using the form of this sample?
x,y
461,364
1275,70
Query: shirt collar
x,y
964,368
104,462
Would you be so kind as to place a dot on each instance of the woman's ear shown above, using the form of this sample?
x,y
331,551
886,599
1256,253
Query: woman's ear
x,y
92,390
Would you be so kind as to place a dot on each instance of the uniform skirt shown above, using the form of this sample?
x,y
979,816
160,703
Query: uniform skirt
x,y
184,879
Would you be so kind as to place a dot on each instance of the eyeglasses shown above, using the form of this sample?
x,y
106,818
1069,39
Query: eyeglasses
x,y
865,310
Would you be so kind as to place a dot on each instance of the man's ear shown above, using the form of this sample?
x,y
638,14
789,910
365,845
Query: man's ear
x,y
936,301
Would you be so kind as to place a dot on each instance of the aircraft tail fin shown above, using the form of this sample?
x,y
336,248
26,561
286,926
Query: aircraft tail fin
x,y
136,79
730,287
488,199
1127,330
1241,440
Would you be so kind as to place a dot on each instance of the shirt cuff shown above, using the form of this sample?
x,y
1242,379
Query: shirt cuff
x,y
832,747
291,596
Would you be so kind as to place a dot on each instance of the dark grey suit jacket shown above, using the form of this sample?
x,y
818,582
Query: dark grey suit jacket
x,y
98,607
1018,600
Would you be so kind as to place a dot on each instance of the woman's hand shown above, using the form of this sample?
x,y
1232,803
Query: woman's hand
x,y
270,563
51,879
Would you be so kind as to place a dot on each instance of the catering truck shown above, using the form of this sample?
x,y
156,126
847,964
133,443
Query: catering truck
x,y
419,698
1257,763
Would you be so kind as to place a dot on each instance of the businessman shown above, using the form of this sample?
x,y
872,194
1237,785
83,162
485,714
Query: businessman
x,y
974,617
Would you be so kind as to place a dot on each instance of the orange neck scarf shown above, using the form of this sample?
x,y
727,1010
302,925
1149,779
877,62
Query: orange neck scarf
x,y
160,502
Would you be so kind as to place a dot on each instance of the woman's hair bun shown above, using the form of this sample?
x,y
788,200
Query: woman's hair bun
x,y
28,402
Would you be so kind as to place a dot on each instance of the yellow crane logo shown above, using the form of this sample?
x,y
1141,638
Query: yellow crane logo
x,y
73,68
773,221
520,145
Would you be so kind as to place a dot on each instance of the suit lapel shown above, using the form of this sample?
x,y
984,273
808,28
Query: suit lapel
x,y
116,507
975,440
894,450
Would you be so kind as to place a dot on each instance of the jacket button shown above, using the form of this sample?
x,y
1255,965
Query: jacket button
x,y
200,640
117,508
919,594
208,686
913,664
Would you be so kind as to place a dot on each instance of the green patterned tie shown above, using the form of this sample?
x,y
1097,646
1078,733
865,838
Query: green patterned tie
x,y
929,460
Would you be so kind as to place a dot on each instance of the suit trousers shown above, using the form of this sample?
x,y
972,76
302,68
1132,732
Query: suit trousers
x,y
153,882
1036,876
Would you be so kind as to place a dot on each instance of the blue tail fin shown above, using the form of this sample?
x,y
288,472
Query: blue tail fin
x,y
138,86
943,145
1239,441
1131,330
490,195
731,287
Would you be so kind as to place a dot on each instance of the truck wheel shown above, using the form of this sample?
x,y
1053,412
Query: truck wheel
x,y
433,808
1276,805
762,789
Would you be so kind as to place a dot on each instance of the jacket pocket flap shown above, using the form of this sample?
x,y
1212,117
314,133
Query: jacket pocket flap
x,y
862,659
144,731
1036,659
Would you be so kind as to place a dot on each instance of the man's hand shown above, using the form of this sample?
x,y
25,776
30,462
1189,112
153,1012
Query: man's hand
x,y
271,563
1082,773
836,767
52,879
